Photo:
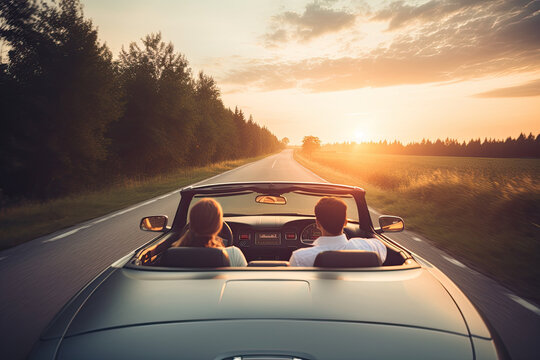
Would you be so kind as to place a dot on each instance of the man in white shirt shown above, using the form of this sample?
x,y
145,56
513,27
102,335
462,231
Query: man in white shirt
x,y
331,218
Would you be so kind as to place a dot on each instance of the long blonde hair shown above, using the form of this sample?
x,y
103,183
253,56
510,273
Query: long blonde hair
x,y
205,222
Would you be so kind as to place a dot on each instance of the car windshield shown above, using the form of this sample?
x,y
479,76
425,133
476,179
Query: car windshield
x,y
297,203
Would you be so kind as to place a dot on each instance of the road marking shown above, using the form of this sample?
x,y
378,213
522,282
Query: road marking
x,y
454,261
274,163
223,173
524,303
164,196
125,211
71,232
312,173
3,257
61,236
374,211
416,238
65,234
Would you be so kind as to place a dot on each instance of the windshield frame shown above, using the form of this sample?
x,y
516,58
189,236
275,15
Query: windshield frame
x,y
150,250
272,188
298,203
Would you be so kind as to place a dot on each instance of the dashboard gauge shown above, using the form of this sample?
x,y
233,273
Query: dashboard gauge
x,y
310,234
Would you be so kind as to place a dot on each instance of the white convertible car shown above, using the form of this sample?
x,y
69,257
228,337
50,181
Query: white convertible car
x,y
163,302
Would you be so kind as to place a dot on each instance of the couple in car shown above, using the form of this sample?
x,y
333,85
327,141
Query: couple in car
x,y
206,220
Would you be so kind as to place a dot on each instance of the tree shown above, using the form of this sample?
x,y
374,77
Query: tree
x,y
310,143
285,141
155,132
66,96
70,115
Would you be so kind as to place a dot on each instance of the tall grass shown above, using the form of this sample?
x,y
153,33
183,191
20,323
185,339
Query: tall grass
x,y
484,211
28,220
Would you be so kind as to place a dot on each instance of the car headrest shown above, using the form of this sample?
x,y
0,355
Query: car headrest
x,y
347,259
196,257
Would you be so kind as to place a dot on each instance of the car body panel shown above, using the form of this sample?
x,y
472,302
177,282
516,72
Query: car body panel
x,y
219,339
409,297
136,309
475,323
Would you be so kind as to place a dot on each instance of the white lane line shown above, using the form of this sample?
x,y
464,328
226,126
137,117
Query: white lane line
x,y
524,303
124,211
454,261
274,163
309,171
223,173
65,234
71,232
3,257
374,211
416,238
164,196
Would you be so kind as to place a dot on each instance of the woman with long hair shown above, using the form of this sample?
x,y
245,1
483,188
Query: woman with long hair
x,y
205,222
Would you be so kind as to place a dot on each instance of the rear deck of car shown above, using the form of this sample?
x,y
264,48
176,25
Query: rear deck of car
x,y
217,312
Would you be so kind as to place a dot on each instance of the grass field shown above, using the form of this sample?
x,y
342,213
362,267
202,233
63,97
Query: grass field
x,y
486,212
30,220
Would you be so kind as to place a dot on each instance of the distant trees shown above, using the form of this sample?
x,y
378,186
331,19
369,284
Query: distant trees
x,y
155,130
72,117
522,146
285,141
310,143
61,97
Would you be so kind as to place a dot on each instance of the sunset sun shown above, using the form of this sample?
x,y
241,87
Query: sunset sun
x,y
359,136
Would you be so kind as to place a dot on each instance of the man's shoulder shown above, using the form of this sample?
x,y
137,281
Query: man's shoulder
x,y
362,242
359,239
304,256
305,251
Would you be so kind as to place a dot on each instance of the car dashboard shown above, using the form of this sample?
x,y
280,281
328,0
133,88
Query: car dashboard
x,y
275,237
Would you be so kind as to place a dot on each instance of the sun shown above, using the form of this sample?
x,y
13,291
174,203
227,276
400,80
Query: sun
x,y
359,136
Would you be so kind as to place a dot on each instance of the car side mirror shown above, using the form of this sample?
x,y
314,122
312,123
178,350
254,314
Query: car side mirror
x,y
154,223
391,223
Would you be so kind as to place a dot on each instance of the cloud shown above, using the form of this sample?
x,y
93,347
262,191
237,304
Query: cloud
x,y
439,41
528,89
400,14
318,19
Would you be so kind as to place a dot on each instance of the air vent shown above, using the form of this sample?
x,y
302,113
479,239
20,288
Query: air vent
x,y
243,243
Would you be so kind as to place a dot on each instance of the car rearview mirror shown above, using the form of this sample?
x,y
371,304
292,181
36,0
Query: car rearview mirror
x,y
391,223
270,199
154,223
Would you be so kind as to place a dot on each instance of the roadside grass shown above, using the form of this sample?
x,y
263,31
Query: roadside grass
x,y
485,212
29,220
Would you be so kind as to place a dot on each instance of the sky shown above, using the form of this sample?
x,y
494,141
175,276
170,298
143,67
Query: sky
x,y
354,70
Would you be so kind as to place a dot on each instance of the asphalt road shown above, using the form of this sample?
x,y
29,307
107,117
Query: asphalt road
x,y
38,277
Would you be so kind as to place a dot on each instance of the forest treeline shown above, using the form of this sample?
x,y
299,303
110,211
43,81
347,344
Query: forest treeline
x,y
73,117
522,146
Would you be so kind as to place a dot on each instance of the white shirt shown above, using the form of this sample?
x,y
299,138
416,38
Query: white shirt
x,y
236,256
306,256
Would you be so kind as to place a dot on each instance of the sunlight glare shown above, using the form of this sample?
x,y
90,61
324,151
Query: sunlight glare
x,y
359,136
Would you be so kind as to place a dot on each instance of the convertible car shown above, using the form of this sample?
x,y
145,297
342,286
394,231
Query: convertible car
x,y
163,302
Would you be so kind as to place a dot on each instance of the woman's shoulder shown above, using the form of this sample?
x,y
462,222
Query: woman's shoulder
x,y
236,255
232,249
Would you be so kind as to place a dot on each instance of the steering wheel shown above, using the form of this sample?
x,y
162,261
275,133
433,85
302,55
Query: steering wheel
x,y
225,234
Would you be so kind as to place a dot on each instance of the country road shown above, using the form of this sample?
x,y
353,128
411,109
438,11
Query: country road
x,y
38,277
